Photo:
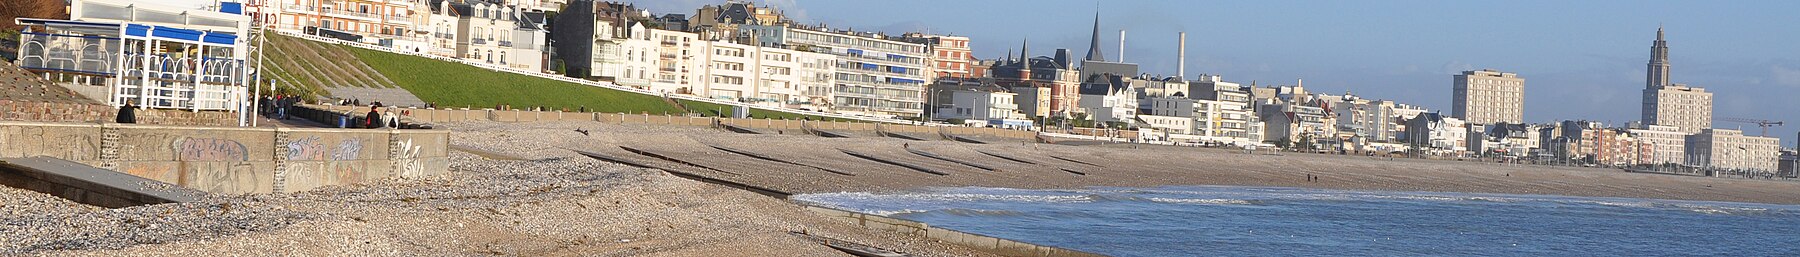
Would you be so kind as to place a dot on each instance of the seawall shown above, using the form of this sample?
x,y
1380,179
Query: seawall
x,y
865,129
230,160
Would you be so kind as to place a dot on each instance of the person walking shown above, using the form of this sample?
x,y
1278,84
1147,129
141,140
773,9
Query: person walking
x,y
127,114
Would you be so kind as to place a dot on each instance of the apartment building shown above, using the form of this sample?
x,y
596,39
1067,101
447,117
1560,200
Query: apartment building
x,y
874,76
1731,149
385,22
1197,120
1488,97
951,56
490,33
988,105
1669,143
767,76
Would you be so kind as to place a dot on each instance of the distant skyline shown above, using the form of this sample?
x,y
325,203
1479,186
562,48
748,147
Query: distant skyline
x,y
1581,60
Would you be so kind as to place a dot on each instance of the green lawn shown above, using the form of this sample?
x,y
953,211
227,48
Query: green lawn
x,y
449,84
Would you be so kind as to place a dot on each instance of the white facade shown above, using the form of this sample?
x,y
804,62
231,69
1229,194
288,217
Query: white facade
x,y
1668,143
1207,121
1731,149
984,106
874,76
1489,97
149,55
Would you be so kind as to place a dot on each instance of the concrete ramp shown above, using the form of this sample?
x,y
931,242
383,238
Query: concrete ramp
x,y
737,129
387,96
900,136
89,185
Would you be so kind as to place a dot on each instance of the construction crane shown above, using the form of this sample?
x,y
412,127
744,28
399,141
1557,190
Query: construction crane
x,y
1765,124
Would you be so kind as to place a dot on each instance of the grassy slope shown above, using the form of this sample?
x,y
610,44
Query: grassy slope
x,y
455,85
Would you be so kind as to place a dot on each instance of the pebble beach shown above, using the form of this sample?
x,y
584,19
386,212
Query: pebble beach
x,y
530,193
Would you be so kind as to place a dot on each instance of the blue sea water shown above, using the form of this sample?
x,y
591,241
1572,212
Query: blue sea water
x,y
1262,221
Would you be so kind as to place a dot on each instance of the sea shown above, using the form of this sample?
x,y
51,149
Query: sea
x,y
1268,221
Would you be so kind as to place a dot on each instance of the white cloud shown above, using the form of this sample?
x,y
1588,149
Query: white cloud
x,y
1785,76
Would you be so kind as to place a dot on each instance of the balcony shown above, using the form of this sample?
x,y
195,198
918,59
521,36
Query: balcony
x,y
896,98
506,43
883,60
847,67
298,8
477,41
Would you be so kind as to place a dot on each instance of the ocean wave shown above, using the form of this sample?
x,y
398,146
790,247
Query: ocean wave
x,y
891,213
1202,201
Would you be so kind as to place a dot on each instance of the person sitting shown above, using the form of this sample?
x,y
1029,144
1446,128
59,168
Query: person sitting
x,y
127,114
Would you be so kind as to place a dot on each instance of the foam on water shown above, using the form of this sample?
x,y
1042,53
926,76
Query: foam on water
x,y
1218,220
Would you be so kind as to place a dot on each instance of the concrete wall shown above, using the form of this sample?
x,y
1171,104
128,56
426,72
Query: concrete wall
x,y
96,113
236,160
448,115
988,244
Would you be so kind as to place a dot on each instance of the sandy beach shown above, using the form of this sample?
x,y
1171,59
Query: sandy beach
x,y
558,202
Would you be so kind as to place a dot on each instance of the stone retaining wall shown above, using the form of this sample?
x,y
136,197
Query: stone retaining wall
x,y
235,160
97,113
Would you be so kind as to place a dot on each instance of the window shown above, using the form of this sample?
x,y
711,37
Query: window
x,y
728,66
728,80
776,70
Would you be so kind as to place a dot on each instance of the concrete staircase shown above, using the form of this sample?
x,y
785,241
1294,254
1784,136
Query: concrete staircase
x,y
387,96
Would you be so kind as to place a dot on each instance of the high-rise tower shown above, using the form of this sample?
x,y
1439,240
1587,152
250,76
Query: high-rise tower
x,y
1677,105
1658,74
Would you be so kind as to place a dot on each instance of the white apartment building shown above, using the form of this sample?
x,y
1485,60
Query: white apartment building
x,y
1731,149
1668,143
875,76
1488,97
1199,121
489,33
767,76
681,62
989,106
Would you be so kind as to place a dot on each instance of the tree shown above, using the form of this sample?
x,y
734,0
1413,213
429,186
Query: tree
x,y
47,9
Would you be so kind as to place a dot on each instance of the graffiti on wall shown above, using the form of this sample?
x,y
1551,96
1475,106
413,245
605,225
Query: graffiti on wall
x,y
348,149
311,148
305,148
407,161
210,149
233,179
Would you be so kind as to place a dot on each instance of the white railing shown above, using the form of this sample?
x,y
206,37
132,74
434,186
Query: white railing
x,y
587,82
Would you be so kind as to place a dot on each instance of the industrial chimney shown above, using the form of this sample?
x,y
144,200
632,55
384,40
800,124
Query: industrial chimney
x,y
1181,56
1121,46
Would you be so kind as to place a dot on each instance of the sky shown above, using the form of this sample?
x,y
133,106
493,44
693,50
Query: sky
x,y
1581,59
